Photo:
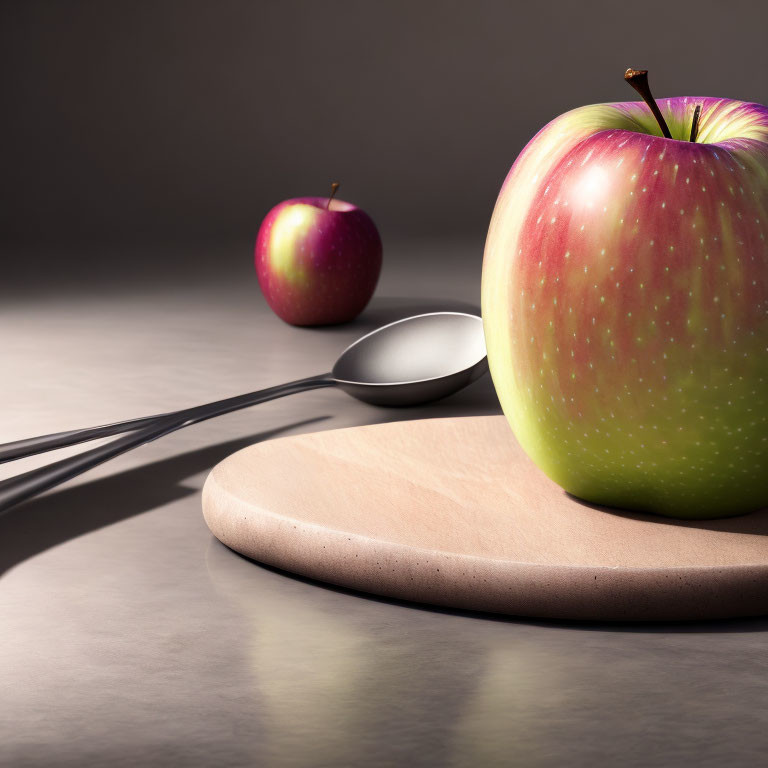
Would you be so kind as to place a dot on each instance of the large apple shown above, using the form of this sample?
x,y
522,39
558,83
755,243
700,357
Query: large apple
x,y
625,305
318,260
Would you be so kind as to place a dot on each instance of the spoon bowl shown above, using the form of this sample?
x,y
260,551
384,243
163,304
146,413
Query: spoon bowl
x,y
415,360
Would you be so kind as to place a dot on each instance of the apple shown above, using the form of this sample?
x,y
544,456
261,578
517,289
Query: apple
x,y
318,260
625,304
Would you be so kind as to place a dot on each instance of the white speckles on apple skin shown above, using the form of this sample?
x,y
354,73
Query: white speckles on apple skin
x,y
696,389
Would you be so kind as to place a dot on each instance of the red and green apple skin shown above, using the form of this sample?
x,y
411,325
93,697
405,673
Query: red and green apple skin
x,y
625,306
317,264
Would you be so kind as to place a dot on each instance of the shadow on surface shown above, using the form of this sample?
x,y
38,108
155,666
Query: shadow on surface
x,y
749,624
46,521
755,523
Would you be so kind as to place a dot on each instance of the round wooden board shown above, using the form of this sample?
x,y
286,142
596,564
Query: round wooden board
x,y
452,512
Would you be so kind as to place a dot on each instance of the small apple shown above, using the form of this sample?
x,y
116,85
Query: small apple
x,y
625,303
318,260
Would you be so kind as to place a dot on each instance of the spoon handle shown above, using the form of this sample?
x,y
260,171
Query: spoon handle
x,y
30,446
28,484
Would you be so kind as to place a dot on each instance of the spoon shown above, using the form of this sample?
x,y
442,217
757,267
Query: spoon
x,y
408,362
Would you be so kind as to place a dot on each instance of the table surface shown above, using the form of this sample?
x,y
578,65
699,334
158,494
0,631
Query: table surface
x,y
131,636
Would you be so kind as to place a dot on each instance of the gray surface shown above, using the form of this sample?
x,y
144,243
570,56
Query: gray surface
x,y
131,637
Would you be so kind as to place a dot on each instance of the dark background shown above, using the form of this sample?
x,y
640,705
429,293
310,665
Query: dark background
x,y
156,131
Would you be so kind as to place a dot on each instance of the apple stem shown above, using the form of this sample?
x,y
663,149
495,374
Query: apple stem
x,y
334,188
695,123
638,79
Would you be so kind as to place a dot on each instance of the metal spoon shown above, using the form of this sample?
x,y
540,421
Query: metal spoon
x,y
408,362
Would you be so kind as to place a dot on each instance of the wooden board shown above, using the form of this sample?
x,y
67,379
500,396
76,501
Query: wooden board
x,y
452,512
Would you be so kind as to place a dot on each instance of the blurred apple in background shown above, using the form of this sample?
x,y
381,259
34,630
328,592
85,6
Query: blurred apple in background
x,y
318,260
625,303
